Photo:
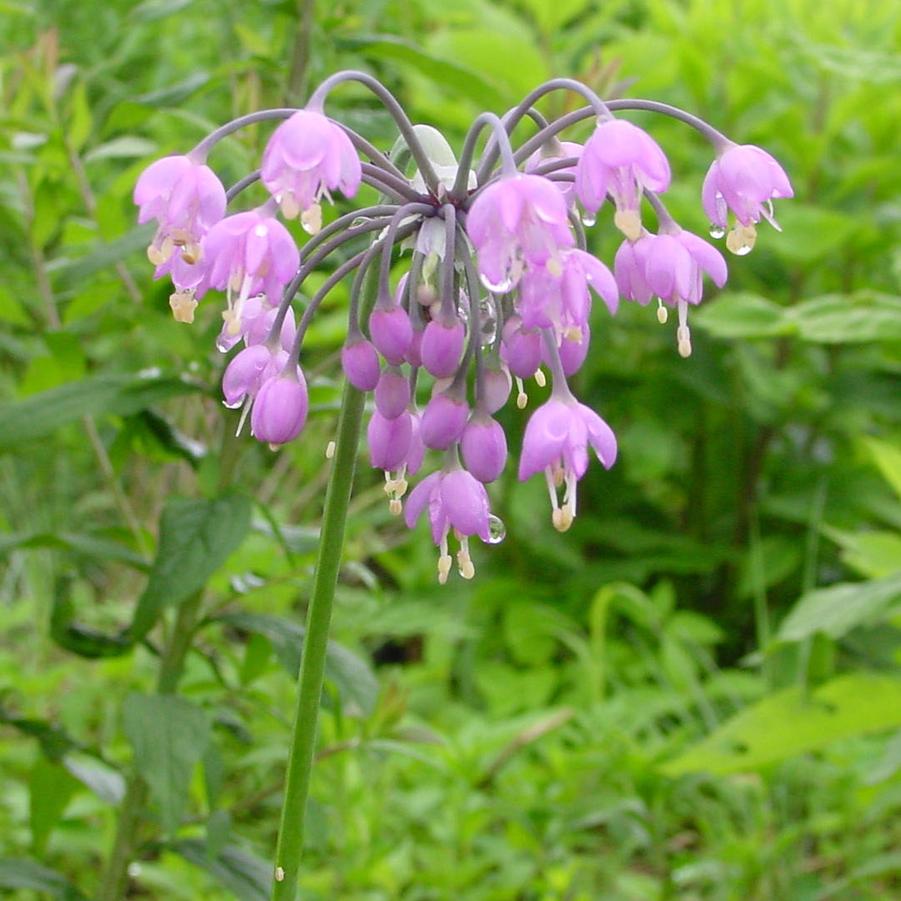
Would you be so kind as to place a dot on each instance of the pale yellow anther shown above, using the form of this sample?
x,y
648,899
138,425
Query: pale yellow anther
x,y
232,322
562,519
183,304
400,487
311,219
289,206
155,255
395,506
540,379
629,223
662,314
573,333
191,253
465,566
330,450
445,561
684,346
554,266
522,400
741,238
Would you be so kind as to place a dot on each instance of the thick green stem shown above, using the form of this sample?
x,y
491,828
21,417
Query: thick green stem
x,y
331,540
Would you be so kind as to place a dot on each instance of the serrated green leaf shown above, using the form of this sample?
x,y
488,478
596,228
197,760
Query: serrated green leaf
x,y
169,736
787,723
196,537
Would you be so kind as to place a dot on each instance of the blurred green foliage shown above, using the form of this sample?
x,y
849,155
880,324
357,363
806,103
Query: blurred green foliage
x,y
694,694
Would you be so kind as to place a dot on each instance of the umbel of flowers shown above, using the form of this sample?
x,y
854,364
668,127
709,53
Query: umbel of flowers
x,y
498,287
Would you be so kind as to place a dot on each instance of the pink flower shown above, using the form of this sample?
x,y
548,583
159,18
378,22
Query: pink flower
x,y
443,420
744,179
247,371
557,296
280,408
484,447
186,198
556,443
455,500
306,157
518,219
247,254
621,160
360,362
441,347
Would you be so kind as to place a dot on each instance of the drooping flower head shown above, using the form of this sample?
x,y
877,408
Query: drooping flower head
x,y
186,199
744,179
307,156
621,160
455,500
517,220
556,443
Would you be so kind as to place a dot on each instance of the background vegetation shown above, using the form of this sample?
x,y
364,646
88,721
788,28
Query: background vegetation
x,y
694,694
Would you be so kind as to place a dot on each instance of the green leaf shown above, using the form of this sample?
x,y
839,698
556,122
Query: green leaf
x,y
742,316
169,736
352,675
196,537
49,791
41,414
787,723
244,874
888,459
836,610
82,640
848,318
125,147
26,874
102,779
84,544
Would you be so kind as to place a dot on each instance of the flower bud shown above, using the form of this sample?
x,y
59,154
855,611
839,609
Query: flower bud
x,y
280,409
389,440
392,393
442,347
391,332
443,421
484,447
520,350
361,364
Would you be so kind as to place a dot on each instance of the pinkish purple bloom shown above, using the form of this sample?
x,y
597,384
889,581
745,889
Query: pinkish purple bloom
x,y
280,409
517,220
455,500
484,447
520,348
556,443
572,351
389,440
186,199
306,157
360,362
248,254
248,370
392,393
630,268
496,384
744,179
558,296
443,421
442,347
621,160
391,332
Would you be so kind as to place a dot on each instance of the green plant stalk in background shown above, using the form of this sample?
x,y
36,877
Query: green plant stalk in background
x,y
312,667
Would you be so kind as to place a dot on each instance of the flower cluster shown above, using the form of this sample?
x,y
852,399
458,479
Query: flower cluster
x,y
498,290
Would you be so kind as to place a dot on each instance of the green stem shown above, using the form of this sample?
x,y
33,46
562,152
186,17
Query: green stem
x,y
319,615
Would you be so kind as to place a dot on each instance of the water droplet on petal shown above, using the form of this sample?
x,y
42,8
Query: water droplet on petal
x,y
487,321
497,531
716,231
501,287
589,219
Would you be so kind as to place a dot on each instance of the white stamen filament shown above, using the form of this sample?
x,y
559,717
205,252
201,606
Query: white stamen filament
x,y
522,399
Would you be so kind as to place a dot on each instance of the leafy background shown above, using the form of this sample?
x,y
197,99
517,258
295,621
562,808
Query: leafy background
x,y
694,694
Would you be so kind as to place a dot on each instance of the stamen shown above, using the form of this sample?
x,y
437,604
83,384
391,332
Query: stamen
x,y
683,334
395,507
741,238
540,379
289,206
245,410
183,304
629,223
662,312
465,566
521,398
445,561
311,219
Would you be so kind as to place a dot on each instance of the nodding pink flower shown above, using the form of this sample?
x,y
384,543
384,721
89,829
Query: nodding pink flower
x,y
187,199
256,329
621,160
551,154
280,408
442,347
558,296
443,420
455,500
395,447
670,265
519,219
391,332
360,362
247,254
392,393
306,157
484,447
556,443
744,179
247,371
520,348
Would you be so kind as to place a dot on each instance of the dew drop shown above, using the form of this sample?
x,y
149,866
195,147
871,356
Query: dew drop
x,y
233,406
588,219
497,531
716,231
487,321
501,287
